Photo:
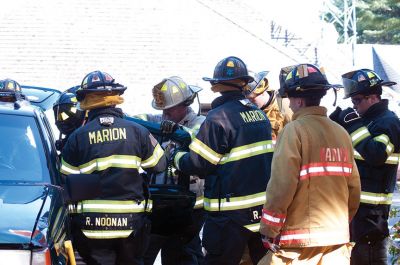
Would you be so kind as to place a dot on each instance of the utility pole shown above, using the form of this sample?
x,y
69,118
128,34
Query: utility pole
x,y
345,17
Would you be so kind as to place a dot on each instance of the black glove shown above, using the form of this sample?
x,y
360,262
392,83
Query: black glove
x,y
350,119
335,114
168,127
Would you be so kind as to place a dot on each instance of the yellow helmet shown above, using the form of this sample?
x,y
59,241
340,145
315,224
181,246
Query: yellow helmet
x,y
259,85
173,91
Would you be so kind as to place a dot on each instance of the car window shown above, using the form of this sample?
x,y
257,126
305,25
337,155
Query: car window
x,y
22,157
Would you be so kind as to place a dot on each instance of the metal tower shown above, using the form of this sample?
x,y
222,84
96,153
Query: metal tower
x,y
342,13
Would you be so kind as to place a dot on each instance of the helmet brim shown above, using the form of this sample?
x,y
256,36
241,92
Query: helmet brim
x,y
195,89
245,78
81,93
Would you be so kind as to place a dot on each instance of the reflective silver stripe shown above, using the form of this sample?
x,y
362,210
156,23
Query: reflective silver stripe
x,y
106,234
204,151
153,159
253,227
287,236
246,151
234,203
376,198
110,206
272,219
359,135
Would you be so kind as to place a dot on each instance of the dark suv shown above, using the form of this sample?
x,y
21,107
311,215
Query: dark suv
x,y
33,217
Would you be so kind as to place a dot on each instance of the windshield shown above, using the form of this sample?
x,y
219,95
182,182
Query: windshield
x,y
22,157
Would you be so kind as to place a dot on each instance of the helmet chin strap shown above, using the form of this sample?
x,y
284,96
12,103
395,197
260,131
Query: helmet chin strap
x,y
335,91
198,102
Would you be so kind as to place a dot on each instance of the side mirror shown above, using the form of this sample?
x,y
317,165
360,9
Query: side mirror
x,y
81,187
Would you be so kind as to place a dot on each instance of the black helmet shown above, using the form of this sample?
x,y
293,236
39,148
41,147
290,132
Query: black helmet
x,y
363,81
173,91
10,90
98,81
303,80
67,116
230,68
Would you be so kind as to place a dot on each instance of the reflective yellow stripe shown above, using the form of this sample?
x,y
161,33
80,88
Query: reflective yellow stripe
x,y
177,158
68,169
246,151
199,202
376,198
154,158
192,131
107,234
149,207
253,227
204,151
110,206
383,138
234,203
359,135
393,159
141,116
119,161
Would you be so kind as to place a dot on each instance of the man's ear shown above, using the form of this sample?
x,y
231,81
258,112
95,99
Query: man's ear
x,y
300,102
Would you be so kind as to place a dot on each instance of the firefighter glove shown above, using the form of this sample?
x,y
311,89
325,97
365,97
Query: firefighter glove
x,y
168,127
271,244
350,119
335,114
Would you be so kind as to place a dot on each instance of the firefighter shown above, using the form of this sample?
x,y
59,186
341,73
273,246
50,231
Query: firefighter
x,y
10,90
113,224
260,93
233,149
375,136
314,188
268,100
174,97
67,117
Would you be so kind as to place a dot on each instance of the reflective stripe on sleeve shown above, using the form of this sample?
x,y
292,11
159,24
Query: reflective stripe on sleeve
x,y
376,198
234,203
68,169
154,158
393,159
359,135
383,138
246,151
204,151
271,218
177,158
325,169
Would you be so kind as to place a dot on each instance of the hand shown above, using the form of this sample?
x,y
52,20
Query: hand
x,y
168,127
335,114
271,244
348,118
